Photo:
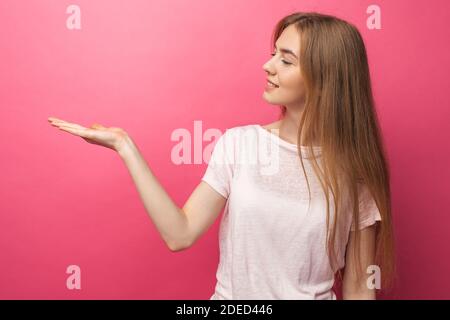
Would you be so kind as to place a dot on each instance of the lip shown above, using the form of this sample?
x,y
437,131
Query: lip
x,y
269,88
272,82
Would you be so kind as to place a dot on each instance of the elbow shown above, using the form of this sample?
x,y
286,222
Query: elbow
x,y
176,246
180,242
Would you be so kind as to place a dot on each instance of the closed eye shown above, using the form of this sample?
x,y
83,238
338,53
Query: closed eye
x,y
285,62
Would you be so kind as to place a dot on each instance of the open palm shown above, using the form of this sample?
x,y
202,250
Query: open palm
x,y
96,134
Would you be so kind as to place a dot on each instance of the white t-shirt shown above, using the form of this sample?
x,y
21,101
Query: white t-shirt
x,y
271,246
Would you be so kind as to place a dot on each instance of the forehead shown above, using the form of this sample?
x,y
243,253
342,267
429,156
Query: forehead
x,y
289,39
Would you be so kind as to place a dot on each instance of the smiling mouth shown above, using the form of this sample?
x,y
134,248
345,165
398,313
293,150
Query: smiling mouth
x,y
270,84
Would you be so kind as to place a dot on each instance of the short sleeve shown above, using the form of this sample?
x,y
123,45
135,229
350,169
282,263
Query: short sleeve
x,y
368,210
220,168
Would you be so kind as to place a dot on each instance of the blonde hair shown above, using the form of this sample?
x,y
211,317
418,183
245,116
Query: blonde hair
x,y
339,114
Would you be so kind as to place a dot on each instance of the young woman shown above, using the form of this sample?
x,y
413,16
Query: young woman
x,y
321,210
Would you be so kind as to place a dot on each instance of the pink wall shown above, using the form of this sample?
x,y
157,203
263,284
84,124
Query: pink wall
x,y
152,67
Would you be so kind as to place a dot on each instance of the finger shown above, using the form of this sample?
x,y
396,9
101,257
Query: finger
x,y
53,119
77,131
71,125
59,122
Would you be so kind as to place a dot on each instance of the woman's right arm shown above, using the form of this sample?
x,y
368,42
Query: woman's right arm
x,y
179,227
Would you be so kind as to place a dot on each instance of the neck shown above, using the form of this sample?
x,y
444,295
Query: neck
x,y
289,126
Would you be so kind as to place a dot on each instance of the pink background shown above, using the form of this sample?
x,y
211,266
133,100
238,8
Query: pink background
x,y
152,67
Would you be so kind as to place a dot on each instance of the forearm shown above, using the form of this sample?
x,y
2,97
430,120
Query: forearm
x,y
168,218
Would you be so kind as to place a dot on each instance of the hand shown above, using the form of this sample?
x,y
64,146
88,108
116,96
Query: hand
x,y
112,138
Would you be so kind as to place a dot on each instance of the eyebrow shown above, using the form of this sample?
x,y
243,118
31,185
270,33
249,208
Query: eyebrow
x,y
287,51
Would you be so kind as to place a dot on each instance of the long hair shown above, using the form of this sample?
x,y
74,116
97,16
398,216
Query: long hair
x,y
339,114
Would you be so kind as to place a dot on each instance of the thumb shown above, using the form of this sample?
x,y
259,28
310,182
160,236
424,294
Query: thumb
x,y
97,126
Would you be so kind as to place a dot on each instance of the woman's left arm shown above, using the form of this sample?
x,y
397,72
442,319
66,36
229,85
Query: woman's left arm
x,y
352,287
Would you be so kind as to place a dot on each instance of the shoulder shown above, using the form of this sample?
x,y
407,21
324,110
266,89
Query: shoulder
x,y
241,128
238,132
253,127
238,138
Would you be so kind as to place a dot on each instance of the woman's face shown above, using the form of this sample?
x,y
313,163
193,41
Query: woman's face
x,y
283,69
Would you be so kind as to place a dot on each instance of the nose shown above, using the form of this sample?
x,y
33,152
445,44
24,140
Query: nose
x,y
268,68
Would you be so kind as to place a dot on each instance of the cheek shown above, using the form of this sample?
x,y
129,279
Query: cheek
x,y
291,80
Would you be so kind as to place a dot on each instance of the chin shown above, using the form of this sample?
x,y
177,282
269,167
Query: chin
x,y
266,96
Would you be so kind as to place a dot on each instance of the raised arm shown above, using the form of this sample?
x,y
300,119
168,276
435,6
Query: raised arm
x,y
178,227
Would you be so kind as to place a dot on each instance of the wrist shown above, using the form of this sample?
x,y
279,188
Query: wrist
x,y
125,146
